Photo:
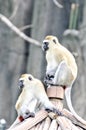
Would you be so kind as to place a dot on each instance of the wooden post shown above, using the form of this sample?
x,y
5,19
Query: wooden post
x,y
56,95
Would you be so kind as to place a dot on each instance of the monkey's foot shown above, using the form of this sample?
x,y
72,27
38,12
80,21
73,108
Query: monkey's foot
x,y
49,77
57,112
54,111
48,81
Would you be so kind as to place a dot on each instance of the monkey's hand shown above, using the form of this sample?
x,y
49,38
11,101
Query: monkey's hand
x,y
54,110
50,73
28,114
25,112
49,79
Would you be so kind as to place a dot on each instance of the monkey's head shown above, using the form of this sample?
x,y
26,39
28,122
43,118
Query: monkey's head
x,y
26,80
49,42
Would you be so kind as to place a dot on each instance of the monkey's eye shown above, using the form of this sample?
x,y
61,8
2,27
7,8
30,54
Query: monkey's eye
x,y
54,41
30,78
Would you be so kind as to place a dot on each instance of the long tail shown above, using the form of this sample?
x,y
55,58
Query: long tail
x,y
69,103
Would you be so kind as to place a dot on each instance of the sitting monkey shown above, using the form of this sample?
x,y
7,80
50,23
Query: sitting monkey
x,y
33,95
61,68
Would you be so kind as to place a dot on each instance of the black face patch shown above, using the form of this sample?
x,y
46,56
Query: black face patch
x,y
21,85
54,41
45,46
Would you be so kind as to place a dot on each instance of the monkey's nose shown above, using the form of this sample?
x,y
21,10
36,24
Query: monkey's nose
x,y
21,85
45,46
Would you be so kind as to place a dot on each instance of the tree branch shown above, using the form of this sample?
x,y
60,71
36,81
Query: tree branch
x,y
57,4
17,31
25,27
14,10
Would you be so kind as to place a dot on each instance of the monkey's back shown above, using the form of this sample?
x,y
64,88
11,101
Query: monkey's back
x,y
60,53
69,58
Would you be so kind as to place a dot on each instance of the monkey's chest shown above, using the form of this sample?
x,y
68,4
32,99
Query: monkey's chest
x,y
52,64
51,60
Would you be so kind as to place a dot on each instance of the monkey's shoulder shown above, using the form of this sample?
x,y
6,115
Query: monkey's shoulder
x,y
62,51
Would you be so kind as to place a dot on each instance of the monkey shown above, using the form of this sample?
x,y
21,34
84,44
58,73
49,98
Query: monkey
x,y
61,69
33,95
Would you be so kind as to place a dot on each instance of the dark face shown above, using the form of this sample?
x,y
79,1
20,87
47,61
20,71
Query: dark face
x,y
25,79
45,46
21,85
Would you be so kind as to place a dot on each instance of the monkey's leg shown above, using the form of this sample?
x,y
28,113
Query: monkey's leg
x,y
50,107
31,108
63,75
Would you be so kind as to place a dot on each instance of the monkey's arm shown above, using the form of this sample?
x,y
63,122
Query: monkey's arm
x,y
32,105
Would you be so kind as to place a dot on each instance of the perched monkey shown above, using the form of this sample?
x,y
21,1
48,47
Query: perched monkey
x,y
61,68
33,95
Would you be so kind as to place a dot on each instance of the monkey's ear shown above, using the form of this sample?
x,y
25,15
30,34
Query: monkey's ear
x,y
54,41
30,78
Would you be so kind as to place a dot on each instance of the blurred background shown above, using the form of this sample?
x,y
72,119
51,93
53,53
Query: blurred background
x,y
38,18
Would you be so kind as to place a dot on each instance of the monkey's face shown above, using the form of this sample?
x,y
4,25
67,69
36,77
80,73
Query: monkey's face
x,y
25,80
49,42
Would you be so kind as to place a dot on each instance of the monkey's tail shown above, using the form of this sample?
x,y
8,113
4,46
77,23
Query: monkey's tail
x,y
69,103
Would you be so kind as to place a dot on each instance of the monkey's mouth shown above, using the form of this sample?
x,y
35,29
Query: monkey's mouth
x,y
45,46
21,85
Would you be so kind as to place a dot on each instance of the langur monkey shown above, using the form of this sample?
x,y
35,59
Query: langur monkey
x,y
61,68
33,95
